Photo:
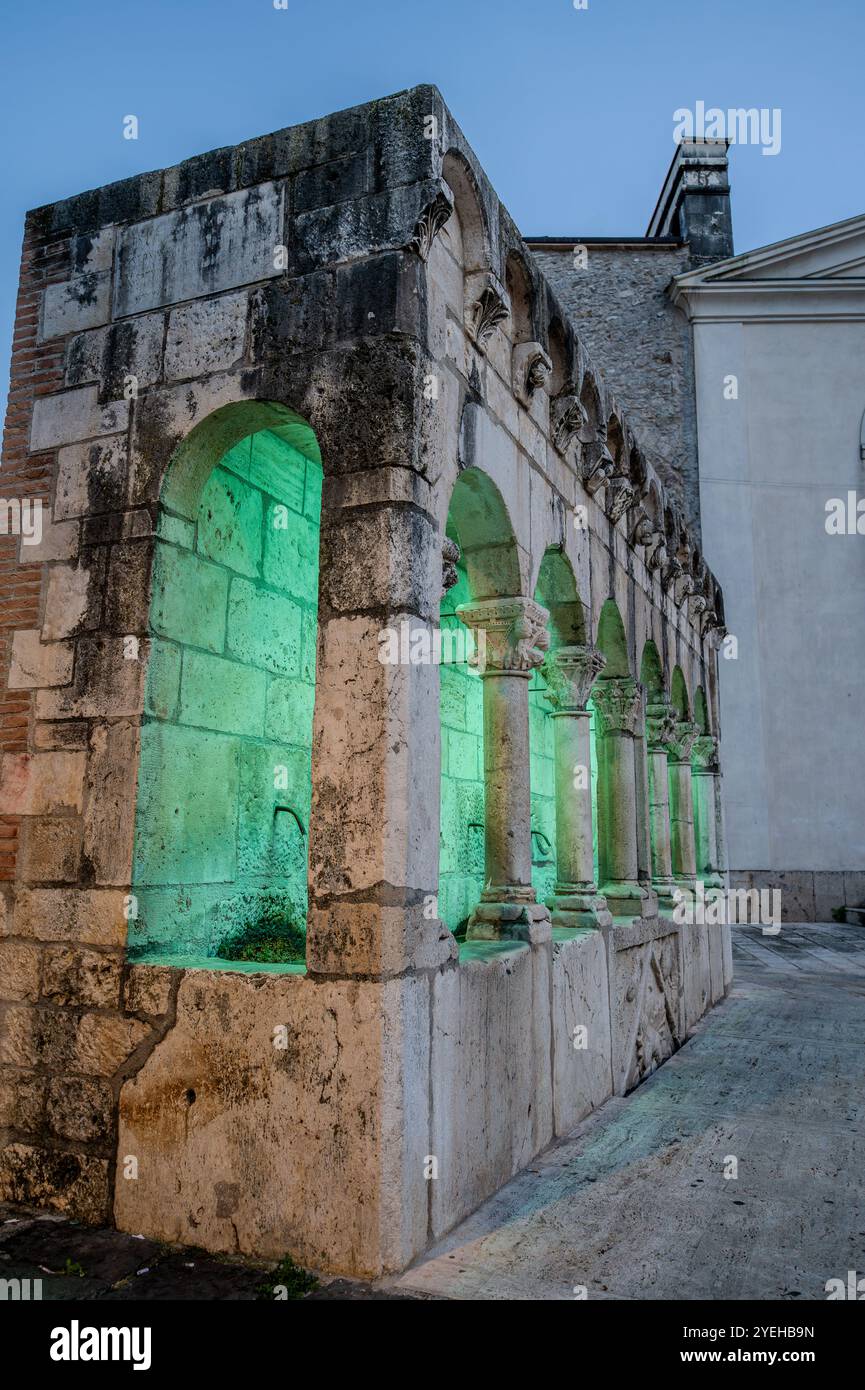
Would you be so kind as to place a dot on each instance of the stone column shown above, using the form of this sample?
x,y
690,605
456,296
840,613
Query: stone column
x,y
705,772
681,802
619,705
511,639
570,673
660,726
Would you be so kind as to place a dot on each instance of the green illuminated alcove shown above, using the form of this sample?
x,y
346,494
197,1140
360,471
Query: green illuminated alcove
x,y
222,816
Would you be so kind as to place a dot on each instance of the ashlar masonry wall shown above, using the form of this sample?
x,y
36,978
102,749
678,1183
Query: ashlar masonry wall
x,y
356,289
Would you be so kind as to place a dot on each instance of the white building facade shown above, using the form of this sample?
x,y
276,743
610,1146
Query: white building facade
x,y
779,361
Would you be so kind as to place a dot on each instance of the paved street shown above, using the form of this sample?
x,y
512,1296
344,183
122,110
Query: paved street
x,y
635,1204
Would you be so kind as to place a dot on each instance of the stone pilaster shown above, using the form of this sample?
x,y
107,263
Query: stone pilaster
x,y
570,673
660,731
681,802
511,639
619,704
706,773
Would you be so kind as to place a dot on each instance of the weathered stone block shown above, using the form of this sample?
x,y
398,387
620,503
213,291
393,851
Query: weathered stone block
x,y
229,523
177,573
22,1100
36,663
73,415
75,1184
163,680
104,1042
289,708
70,735
18,1035
109,817
91,917
20,964
263,629
187,780
73,602
199,250
222,695
82,978
59,542
148,989
36,784
123,358
91,477
108,682
82,302
51,851
79,1108
206,336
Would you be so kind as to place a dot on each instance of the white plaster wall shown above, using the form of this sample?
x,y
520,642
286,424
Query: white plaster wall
x,y
791,704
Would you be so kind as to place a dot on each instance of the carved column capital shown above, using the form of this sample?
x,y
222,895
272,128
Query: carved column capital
x,y
570,673
431,221
486,305
684,737
619,704
530,368
705,754
515,636
660,726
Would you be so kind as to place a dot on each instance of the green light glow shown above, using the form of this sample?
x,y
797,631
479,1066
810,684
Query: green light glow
x,y
224,781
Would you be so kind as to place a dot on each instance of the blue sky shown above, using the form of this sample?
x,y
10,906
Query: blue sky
x,y
570,111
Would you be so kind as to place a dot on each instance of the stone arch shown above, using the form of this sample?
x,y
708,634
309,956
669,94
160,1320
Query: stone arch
x,y
679,694
615,435
701,711
556,590
590,398
479,522
224,774
652,674
561,375
518,283
468,212
612,641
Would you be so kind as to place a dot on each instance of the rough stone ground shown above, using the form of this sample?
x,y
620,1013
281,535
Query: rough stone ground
x,y
634,1204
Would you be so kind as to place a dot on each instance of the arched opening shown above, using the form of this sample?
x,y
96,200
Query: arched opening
x,y
222,812
474,241
701,711
652,674
519,287
679,694
488,567
556,590
607,793
613,642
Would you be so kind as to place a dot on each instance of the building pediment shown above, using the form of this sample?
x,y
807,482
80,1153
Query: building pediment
x,y
817,273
